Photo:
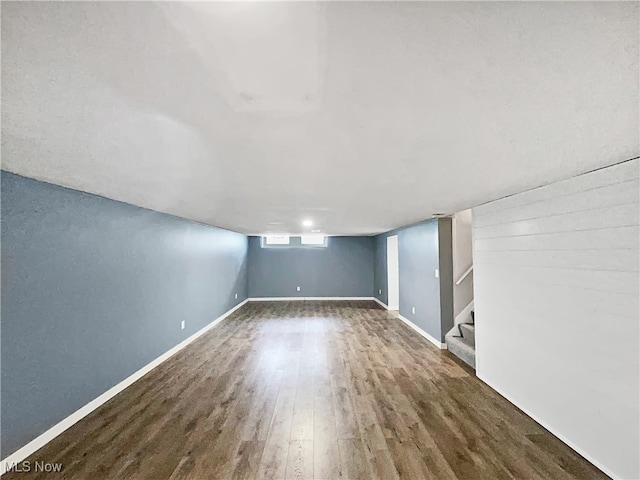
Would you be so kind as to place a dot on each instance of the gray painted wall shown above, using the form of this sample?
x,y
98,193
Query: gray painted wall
x,y
419,255
93,290
343,269
380,268
419,287
445,262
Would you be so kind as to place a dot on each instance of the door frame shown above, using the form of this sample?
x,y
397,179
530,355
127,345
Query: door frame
x,y
393,273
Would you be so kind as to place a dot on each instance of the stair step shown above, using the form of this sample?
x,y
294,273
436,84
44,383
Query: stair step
x,y
462,348
468,331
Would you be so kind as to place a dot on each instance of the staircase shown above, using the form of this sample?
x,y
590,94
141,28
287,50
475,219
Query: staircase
x,y
461,341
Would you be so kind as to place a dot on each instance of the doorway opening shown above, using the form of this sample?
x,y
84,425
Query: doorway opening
x,y
393,273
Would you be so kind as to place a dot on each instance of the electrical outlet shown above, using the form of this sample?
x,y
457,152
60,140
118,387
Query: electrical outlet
x,y
379,291
413,310
182,324
297,289
236,296
437,273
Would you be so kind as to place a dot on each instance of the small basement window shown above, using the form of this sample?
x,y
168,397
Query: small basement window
x,y
286,241
276,240
315,240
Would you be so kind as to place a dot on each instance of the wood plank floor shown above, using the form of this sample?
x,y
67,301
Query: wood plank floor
x,y
305,390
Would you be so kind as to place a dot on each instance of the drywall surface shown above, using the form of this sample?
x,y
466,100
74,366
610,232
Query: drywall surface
x,y
93,290
344,268
371,114
462,260
420,289
445,274
380,269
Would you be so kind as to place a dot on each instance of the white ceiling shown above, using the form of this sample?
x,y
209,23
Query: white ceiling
x,y
360,116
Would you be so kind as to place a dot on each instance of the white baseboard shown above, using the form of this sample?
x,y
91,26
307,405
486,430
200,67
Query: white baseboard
x,y
562,438
40,441
436,342
301,299
381,303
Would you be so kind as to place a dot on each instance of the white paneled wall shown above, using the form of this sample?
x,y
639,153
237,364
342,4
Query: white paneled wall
x,y
556,287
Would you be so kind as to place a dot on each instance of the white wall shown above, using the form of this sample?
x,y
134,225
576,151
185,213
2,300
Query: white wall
x,y
556,301
462,259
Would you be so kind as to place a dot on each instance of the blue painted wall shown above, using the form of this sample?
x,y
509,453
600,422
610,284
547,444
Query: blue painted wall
x,y
343,269
419,287
381,290
445,262
422,248
93,290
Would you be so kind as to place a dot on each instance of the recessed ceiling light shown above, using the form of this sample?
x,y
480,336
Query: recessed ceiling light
x,y
307,223
315,231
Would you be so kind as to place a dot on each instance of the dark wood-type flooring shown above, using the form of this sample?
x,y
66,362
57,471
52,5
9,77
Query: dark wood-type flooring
x,y
305,390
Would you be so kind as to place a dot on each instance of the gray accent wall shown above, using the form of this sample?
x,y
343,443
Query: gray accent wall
x,y
422,248
93,290
419,287
381,291
344,268
445,262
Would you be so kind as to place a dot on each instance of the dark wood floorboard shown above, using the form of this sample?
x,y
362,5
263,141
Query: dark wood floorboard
x,y
301,390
